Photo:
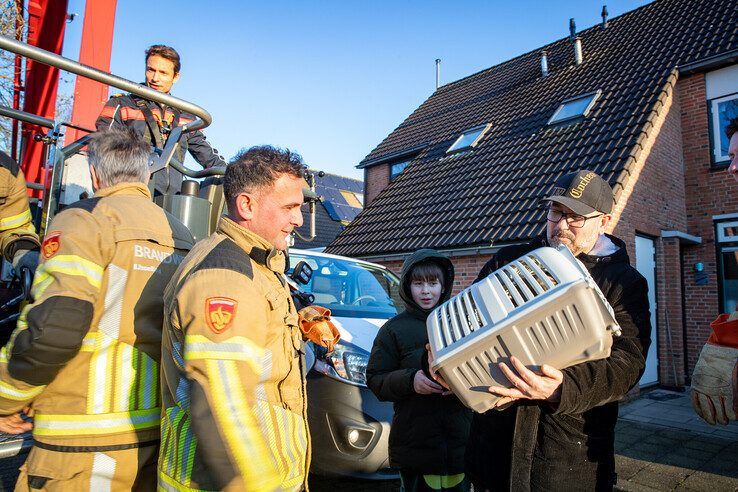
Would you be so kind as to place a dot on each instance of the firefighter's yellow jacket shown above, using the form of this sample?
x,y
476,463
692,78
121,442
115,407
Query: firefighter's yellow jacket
x,y
232,373
16,229
85,354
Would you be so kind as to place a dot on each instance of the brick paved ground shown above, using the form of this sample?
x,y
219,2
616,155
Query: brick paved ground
x,y
660,444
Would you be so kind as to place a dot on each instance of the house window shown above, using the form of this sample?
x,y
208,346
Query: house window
x,y
576,107
352,198
468,139
727,239
722,110
397,168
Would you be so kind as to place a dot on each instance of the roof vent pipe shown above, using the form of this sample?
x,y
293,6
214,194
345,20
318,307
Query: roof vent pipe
x,y
572,29
578,50
544,63
604,17
438,73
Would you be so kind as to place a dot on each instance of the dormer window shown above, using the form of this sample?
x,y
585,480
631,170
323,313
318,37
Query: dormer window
x,y
397,168
468,139
576,107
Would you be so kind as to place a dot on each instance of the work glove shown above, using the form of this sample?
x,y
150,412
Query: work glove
x,y
317,327
25,258
715,377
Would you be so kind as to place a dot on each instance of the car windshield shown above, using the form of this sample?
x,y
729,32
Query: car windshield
x,y
351,289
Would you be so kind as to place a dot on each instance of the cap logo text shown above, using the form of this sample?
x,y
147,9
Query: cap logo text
x,y
583,182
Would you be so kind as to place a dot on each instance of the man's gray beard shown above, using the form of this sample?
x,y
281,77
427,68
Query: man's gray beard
x,y
554,241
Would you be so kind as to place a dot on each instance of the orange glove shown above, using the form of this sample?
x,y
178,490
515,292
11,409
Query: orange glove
x,y
315,323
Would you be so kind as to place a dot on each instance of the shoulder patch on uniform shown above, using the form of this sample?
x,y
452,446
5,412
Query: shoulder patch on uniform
x,y
220,313
51,244
87,204
9,163
229,256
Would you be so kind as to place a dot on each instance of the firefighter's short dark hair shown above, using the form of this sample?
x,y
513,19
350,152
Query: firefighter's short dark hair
x,y
732,127
166,52
259,167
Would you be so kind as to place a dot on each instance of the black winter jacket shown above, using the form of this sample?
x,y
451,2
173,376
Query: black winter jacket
x,y
429,432
534,446
128,110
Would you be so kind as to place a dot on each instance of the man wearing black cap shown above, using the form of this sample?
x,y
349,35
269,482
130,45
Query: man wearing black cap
x,y
557,428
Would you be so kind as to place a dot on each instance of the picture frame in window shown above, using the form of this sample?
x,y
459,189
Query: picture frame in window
x,y
721,110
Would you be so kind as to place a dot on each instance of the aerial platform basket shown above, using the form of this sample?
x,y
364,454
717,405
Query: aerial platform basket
x,y
543,308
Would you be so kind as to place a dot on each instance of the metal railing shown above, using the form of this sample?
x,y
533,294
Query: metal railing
x,y
26,117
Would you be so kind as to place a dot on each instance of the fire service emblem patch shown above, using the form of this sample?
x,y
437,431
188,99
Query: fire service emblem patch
x,y
220,313
51,244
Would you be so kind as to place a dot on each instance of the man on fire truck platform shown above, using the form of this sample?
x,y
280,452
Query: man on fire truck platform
x,y
154,122
84,358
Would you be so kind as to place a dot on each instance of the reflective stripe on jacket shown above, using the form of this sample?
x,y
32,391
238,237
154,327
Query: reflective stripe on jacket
x,y
86,353
232,375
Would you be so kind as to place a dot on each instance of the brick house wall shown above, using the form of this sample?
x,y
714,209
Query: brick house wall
x,y
376,178
709,192
653,200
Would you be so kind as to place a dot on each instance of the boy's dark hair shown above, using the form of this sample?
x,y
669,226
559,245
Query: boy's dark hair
x,y
257,168
166,52
732,127
427,271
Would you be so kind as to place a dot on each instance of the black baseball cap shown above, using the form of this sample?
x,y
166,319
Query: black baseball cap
x,y
583,192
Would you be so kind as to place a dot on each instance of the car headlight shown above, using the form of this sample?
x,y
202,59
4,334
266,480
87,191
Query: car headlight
x,y
345,363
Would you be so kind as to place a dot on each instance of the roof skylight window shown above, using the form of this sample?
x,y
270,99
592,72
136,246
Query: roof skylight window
x,y
576,107
470,138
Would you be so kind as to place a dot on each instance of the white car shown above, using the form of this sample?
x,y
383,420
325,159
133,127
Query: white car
x,y
349,427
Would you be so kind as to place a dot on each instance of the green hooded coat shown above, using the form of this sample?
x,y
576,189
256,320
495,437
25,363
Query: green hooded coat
x,y
429,432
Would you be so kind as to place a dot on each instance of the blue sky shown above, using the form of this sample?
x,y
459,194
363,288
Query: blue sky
x,y
328,79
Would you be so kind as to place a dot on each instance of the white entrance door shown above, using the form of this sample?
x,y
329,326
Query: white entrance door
x,y
646,264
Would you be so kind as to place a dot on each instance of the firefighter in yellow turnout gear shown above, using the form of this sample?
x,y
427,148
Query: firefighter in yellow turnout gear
x,y
18,240
85,355
232,374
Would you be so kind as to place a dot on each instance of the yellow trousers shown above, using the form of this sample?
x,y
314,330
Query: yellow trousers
x,y
124,470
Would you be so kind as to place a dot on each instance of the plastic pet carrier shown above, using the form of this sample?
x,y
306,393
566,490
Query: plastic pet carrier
x,y
543,308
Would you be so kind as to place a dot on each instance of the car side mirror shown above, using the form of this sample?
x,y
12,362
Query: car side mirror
x,y
302,273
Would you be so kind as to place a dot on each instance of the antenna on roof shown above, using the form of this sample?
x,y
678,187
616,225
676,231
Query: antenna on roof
x,y
572,29
604,17
438,73
544,63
